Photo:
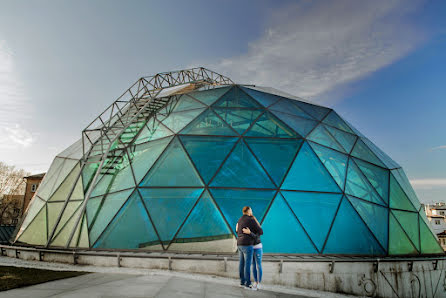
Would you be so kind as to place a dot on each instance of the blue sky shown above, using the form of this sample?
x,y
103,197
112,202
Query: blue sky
x,y
380,64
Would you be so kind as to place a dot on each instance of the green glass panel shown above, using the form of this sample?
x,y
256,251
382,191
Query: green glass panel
x,y
64,189
399,243
236,98
241,169
269,125
429,243
375,217
347,140
54,209
83,241
208,123
409,222
402,180
265,99
308,173
36,232
321,136
123,177
58,172
316,112
63,234
275,155
305,205
187,103
130,132
74,240
168,208
208,97
349,234
377,176
70,209
88,173
177,121
287,106
92,208
207,153
334,161
390,163
363,152
238,119
102,184
232,201
300,125
35,205
333,119
153,130
357,185
397,197
280,223
173,168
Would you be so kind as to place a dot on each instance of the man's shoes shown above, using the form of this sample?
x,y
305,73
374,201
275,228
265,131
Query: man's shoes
x,y
250,287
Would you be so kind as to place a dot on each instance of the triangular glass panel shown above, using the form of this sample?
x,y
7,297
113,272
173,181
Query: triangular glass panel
x,y
130,229
83,241
54,209
88,173
173,168
275,155
265,99
153,130
207,153
278,217
208,97
321,136
363,152
35,205
315,111
377,176
270,126
102,184
334,161
429,243
300,125
335,120
92,208
397,197
308,173
241,169
36,232
390,163
347,140
187,103
402,180
399,243
62,192
287,106
346,224
208,123
79,229
239,119
123,177
409,223
60,168
232,201
64,229
168,208
68,213
357,185
177,121
236,98
374,216
306,204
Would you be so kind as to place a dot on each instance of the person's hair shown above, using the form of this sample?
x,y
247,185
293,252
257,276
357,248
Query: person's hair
x,y
245,209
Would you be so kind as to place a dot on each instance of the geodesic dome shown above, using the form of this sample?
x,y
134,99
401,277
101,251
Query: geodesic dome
x,y
179,167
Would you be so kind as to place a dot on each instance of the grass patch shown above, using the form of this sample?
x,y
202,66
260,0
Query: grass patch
x,y
15,277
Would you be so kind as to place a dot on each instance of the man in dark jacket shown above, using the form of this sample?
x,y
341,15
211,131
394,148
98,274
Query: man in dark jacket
x,y
245,244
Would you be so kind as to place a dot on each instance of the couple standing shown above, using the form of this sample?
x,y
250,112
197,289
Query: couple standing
x,y
250,249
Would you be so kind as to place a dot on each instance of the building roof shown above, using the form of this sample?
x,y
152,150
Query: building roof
x,y
36,175
5,233
436,216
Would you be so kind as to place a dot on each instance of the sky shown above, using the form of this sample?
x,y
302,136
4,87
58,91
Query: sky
x,y
379,64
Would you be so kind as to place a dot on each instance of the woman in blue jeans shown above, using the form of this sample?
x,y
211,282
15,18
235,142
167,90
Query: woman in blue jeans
x,y
256,257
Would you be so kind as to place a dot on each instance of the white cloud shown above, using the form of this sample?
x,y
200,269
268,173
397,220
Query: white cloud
x,y
314,46
18,135
428,183
438,148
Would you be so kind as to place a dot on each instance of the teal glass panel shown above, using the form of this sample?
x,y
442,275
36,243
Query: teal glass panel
x,y
177,121
308,173
357,185
208,97
187,103
205,221
92,208
287,106
208,123
88,173
300,125
265,99
280,223
397,197
409,223
130,229
236,98
429,243
363,152
109,206
102,184
389,163
321,136
306,205
130,132
334,161
207,153
275,155
173,168
315,111
241,169
377,176
349,234
168,208
402,180
375,217
399,243
238,119
153,130
335,120
347,140
123,177
232,201
269,125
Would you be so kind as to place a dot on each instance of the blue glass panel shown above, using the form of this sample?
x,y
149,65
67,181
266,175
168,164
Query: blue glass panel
x,y
265,99
208,123
402,180
208,97
377,176
131,228
334,161
207,153
349,234
399,243
287,106
176,121
333,119
374,216
236,98
231,202
269,125
409,223
187,103
357,185
321,136
347,140
397,197
241,169
275,155
300,125
429,243
316,112
280,223
390,163
363,152
308,173
168,208
306,205
173,168
238,119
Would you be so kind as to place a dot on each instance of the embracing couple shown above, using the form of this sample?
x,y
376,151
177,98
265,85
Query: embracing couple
x,y
250,249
